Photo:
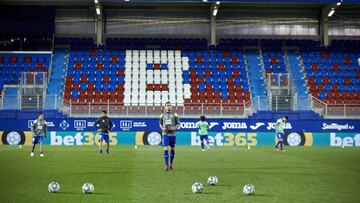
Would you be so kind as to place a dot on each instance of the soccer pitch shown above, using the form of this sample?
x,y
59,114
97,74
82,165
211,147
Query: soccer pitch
x,y
301,174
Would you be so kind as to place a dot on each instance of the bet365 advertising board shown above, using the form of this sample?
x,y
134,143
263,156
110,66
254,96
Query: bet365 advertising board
x,y
222,132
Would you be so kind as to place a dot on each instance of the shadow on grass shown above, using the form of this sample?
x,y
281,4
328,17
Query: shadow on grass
x,y
80,193
220,185
203,193
261,195
98,193
210,193
101,172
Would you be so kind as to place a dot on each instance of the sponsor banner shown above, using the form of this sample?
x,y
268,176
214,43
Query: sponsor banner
x,y
88,138
336,139
187,125
66,138
186,138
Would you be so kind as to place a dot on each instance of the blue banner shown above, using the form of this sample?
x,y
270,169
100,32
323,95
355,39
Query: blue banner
x,y
188,125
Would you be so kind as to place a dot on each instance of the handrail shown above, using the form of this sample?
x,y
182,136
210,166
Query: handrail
x,y
335,110
143,110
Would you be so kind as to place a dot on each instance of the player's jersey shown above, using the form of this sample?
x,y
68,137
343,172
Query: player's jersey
x,y
203,127
279,126
104,124
39,127
167,121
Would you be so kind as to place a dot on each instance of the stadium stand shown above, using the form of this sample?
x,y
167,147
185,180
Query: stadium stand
x,y
136,74
333,76
12,65
185,77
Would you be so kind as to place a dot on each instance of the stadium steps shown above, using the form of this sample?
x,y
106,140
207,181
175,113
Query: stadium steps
x,y
258,91
56,82
11,100
295,69
293,115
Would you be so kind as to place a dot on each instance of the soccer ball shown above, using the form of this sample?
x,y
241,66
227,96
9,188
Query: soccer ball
x,y
248,189
54,187
88,188
212,180
197,188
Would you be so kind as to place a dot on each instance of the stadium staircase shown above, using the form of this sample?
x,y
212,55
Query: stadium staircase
x,y
10,98
54,91
256,76
302,98
278,79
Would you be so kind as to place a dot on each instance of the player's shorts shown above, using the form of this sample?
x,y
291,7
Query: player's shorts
x,y
280,136
169,141
38,138
104,136
203,137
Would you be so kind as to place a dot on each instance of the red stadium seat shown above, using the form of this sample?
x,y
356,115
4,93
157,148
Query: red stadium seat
x,y
325,54
335,88
99,65
274,60
347,61
326,80
336,67
314,67
13,59
27,59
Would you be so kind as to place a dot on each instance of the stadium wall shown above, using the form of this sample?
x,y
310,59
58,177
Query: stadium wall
x,y
194,22
223,132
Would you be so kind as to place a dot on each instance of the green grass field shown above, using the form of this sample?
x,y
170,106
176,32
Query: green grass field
x,y
301,174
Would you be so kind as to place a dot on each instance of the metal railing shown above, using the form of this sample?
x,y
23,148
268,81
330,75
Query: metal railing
x,y
33,78
279,81
335,110
32,102
188,110
279,103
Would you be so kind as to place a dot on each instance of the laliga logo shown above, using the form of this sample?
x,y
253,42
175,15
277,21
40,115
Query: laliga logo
x,y
272,126
234,125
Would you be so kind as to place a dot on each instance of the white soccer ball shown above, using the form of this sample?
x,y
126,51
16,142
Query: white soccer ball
x,y
54,187
248,189
197,188
212,180
88,188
